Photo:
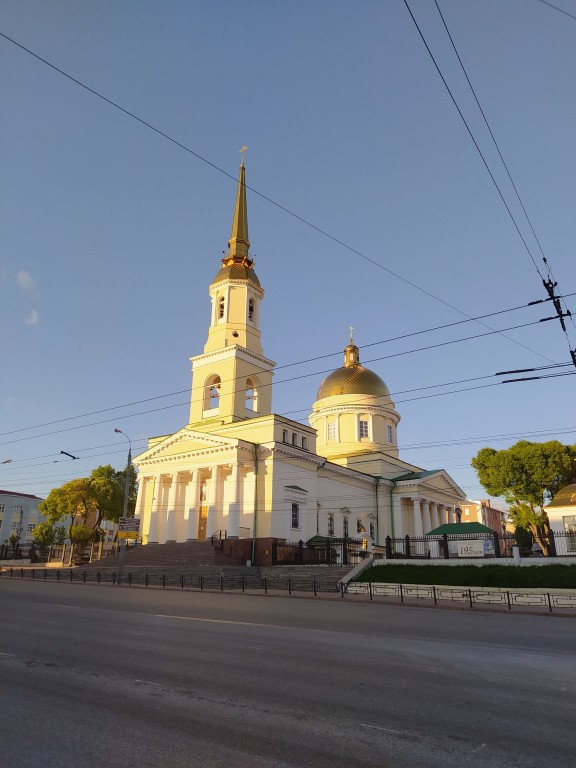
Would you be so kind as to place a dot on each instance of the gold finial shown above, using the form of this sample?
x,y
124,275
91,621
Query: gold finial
x,y
351,339
242,150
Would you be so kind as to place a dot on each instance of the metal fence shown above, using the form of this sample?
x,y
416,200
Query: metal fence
x,y
476,545
405,593
508,599
213,583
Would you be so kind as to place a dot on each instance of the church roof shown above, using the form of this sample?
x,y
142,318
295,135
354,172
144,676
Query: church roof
x,y
238,265
459,528
352,378
417,475
237,271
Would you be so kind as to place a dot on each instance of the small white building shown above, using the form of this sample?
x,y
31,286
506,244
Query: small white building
x,y
562,516
19,514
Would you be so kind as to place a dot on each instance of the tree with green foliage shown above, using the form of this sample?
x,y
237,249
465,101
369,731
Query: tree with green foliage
x,y
14,540
86,501
46,535
527,475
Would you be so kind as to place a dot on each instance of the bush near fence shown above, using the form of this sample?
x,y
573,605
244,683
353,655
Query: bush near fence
x,y
551,576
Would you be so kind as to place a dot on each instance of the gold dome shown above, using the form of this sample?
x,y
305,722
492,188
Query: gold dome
x,y
237,271
352,378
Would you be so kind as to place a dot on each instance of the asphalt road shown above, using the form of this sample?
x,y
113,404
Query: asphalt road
x,y
107,676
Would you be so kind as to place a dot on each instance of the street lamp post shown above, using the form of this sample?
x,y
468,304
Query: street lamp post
x,y
126,494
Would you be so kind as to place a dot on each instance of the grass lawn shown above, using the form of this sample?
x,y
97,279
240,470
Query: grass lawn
x,y
545,576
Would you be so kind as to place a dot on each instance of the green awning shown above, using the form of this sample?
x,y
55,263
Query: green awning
x,y
461,529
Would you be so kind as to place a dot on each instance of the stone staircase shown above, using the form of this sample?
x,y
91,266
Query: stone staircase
x,y
200,558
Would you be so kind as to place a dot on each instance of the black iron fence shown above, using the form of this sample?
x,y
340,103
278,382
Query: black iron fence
x,y
405,593
163,580
474,545
472,597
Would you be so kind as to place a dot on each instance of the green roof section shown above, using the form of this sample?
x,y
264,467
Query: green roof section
x,y
417,475
460,528
566,497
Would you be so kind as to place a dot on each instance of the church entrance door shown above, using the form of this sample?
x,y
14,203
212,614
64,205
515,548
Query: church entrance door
x,y
202,518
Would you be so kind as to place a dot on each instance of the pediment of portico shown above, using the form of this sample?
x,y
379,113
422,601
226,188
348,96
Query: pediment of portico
x,y
188,444
434,485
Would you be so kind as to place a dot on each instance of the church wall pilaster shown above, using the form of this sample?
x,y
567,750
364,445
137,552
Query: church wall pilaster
x,y
191,505
172,509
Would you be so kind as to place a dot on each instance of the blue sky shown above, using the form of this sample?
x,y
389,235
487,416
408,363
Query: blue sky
x,y
110,234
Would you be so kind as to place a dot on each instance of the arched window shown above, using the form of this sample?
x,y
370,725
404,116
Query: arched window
x,y
212,393
221,301
251,395
251,306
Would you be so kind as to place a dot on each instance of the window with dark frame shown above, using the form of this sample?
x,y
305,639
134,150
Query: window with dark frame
x,y
330,525
295,515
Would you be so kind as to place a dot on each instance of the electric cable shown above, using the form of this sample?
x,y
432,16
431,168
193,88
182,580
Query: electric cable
x,y
255,191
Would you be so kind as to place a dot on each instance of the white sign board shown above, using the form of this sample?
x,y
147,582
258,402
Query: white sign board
x,y
471,548
129,524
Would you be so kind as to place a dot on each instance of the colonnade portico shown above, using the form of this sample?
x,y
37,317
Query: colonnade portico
x,y
417,515
188,505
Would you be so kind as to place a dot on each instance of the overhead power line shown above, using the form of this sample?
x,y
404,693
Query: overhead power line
x,y
281,381
556,8
548,282
286,365
268,199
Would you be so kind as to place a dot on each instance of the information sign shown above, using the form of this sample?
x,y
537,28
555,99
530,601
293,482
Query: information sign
x,y
129,528
471,548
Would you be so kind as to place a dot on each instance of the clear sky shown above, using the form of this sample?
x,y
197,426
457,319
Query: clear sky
x,y
111,234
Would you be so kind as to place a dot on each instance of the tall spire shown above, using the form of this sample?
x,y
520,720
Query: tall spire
x,y
239,244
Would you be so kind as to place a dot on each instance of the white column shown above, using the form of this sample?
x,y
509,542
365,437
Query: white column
x,y
441,514
418,531
434,520
426,521
451,515
143,486
211,519
192,505
234,503
397,514
172,511
156,510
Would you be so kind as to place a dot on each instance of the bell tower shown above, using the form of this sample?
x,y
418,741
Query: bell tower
x,y
232,380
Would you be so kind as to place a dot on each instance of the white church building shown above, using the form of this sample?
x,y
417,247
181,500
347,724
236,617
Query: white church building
x,y
239,469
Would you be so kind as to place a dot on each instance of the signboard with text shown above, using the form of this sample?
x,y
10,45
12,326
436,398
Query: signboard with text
x,y
471,548
129,528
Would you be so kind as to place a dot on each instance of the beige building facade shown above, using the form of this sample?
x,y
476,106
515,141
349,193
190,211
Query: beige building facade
x,y
239,469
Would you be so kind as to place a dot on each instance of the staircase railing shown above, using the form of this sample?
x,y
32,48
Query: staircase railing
x,y
218,538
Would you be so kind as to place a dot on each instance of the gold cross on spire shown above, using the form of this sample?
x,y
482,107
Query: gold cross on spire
x,y
242,150
351,329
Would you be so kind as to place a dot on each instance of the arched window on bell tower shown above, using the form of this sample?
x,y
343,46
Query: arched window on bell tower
x,y
251,395
221,303
212,393
251,310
